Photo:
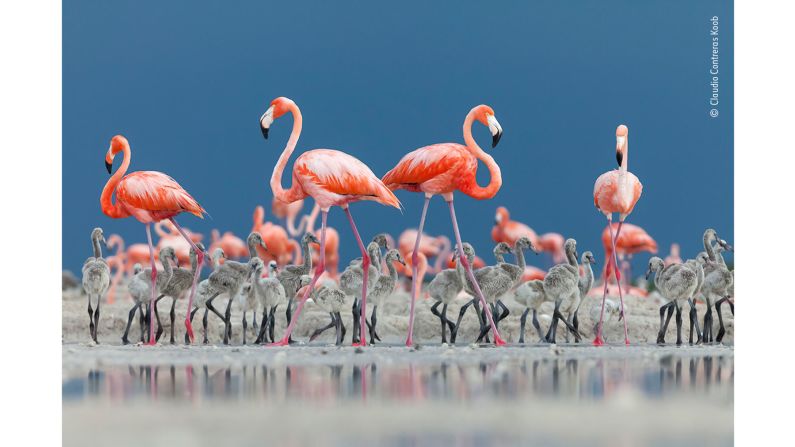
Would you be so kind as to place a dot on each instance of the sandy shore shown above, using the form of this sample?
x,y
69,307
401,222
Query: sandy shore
x,y
643,318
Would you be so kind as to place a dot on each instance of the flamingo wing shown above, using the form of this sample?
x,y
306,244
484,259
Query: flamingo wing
x,y
342,174
438,161
156,192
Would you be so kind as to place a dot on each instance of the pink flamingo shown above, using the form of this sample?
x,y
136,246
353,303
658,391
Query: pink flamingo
x,y
280,246
633,239
509,231
616,191
233,246
170,237
672,258
332,178
149,196
443,169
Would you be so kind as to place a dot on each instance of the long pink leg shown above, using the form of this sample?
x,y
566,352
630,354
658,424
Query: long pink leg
x,y
618,277
415,259
468,268
365,274
597,341
200,260
154,284
321,267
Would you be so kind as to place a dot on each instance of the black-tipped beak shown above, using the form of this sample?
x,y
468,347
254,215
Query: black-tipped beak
x,y
109,166
264,131
619,157
495,139
648,273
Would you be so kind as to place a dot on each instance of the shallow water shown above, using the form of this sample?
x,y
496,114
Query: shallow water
x,y
397,396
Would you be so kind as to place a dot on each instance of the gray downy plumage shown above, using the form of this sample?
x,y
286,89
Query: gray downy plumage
x,y
718,281
562,287
676,283
96,280
515,271
290,275
270,294
331,299
531,295
176,288
384,286
494,282
204,292
228,279
351,282
141,292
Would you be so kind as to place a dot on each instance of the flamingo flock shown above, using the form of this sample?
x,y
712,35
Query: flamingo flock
x,y
292,264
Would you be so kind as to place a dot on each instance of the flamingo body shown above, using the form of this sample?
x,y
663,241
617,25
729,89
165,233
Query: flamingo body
x,y
435,169
151,196
607,196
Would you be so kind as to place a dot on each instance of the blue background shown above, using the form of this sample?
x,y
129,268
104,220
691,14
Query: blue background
x,y
187,81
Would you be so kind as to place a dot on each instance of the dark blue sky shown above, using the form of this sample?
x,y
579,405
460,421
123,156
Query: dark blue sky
x,y
186,82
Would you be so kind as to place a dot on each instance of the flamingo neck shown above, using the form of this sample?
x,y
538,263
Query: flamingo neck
x,y
306,266
97,247
588,276
623,170
390,266
442,256
291,228
309,221
519,253
473,189
708,238
295,192
572,260
258,218
111,209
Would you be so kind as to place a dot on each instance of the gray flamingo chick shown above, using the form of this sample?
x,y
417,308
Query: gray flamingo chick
x,y
290,275
531,295
332,300
270,293
383,288
515,271
445,288
562,287
140,291
229,279
718,280
181,282
351,282
203,293
676,282
96,280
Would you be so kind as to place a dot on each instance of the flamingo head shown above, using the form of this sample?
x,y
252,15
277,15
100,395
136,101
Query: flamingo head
x,y
255,266
485,115
501,216
382,240
117,144
97,235
570,247
502,248
310,238
394,255
273,268
621,143
655,264
278,107
524,242
114,240
587,258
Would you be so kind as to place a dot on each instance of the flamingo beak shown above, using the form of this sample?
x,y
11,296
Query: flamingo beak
x,y
620,142
648,273
265,121
109,167
495,129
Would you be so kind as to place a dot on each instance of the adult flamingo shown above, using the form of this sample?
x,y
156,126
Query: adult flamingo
x,y
616,191
280,246
633,239
332,178
170,237
442,169
509,231
233,246
149,196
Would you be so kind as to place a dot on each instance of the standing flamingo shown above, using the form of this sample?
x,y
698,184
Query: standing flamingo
x,y
442,169
149,196
233,246
280,246
332,178
616,191
509,231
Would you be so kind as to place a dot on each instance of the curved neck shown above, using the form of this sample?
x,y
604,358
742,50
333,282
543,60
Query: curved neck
x,y
258,218
572,259
214,260
307,264
588,275
708,238
658,276
167,271
459,268
291,228
442,256
193,262
498,256
309,221
294,193
111,209
252,248
390,266
519,253
97,247
475,190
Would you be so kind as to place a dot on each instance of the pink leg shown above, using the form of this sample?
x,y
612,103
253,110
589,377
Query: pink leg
x,y
154,284
415,259
597,341
468,268
618,277
321,267
200,260
365,274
